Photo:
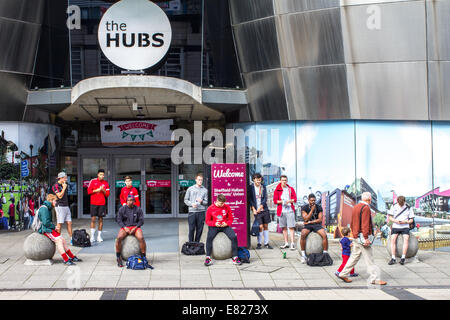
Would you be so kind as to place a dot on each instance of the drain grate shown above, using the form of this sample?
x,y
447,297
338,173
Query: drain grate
x,y
263,269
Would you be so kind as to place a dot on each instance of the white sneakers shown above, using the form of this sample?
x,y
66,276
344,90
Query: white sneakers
x,y
99,239
292,246
303,259
286,245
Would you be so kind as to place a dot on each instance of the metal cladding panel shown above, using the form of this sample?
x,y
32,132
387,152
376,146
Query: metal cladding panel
x,y
398,35
311,38
13,96
257,46
21,40
248,10
439,75
266,95
23,10
317,93
390,91
291,6
438,13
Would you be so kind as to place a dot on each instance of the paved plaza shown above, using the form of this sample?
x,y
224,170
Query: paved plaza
x,y
180,277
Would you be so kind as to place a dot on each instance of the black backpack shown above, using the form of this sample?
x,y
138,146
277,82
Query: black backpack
x,y
80,238
319,260
193,249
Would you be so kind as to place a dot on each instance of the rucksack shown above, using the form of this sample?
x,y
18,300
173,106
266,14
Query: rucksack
x,y
255,229
243,255
37,223
319,260
193,249
137,262
80,238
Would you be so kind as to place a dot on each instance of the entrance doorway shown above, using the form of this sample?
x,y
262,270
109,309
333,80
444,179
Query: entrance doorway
x,y
161,184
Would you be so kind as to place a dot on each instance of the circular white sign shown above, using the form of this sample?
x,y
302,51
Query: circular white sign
x,y
135,34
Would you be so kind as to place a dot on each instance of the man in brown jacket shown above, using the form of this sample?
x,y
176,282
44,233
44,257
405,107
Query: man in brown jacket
x,y
365,227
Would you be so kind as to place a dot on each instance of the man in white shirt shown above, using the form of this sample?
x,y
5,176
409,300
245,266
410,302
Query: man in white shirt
x,y
401,215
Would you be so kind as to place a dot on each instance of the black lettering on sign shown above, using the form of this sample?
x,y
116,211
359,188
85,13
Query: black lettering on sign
x,y
158,37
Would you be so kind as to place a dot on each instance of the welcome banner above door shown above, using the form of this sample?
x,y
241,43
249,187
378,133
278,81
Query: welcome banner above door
x,y
136,133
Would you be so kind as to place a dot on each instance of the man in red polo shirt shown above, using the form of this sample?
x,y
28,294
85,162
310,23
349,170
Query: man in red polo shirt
x,y
99,191
129,190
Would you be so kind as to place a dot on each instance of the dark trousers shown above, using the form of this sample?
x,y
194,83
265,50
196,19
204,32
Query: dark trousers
x,y
212,233
196,222
12,221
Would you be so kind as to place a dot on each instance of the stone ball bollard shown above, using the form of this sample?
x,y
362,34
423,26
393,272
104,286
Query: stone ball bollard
x,y
221,247
38,247
413,246
130,247
313,243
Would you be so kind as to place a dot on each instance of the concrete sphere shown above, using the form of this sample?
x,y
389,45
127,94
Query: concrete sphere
x,y
413,246
38,247
130,247
221,247
313,243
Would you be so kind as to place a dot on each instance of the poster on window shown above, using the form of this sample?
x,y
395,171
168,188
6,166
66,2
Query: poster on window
x,y
230,180
136,133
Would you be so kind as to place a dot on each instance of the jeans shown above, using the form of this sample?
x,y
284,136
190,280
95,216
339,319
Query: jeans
x,y
31,222
26,222
196,221
212,233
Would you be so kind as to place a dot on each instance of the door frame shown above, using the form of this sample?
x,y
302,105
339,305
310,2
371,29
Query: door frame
x,y
110,154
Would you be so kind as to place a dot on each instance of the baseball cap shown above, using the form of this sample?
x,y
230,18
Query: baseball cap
x,y
131,197
61,175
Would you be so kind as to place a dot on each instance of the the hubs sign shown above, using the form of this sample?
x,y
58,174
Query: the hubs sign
x,y
135,34
230,180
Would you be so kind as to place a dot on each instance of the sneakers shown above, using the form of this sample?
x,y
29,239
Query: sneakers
x,y
292,246
286,245
402,261
237,261
392,262
76,259
337,274
208,261
99,239
92,240
258,246
119,262
303,259
69,263
268,246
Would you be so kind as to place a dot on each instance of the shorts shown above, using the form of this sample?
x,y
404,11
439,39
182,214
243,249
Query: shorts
x,y
400,231
54,235
263,217
63,214
98,211
287,220
313,227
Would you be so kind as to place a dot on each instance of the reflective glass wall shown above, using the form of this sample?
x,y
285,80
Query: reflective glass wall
x,y
339,160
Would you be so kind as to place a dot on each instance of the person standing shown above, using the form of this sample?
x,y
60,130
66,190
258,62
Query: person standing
x,y
129,190
99,191
31,209
12,213
284,197
258,206
63,214
362,224
26,213
219,218
312,214
401,215
196,198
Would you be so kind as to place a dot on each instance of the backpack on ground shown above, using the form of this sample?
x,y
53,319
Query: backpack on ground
x,y
193,249
137,262
244,255
319,260
37,223
80,238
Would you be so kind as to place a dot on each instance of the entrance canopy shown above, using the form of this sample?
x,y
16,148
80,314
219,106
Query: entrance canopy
x,y
134,96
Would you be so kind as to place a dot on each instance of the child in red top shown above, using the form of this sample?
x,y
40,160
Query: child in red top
x,y
219,218
129,190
